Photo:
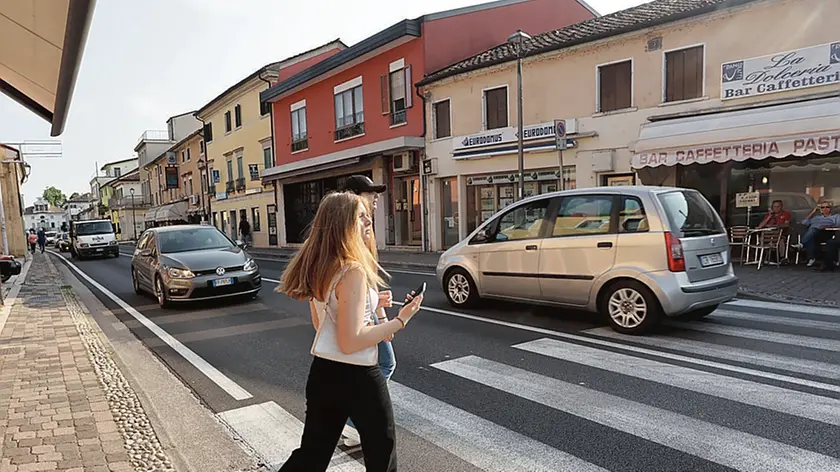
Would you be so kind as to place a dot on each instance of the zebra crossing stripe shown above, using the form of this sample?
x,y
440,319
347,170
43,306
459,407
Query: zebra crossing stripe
x,y
789,307
476,440
729,353
779,320
771,397
822,344
731,448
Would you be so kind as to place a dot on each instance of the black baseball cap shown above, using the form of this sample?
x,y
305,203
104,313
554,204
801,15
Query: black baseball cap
x,y
359,184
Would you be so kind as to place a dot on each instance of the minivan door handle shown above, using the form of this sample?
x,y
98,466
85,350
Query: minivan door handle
x,y
531,247
605,244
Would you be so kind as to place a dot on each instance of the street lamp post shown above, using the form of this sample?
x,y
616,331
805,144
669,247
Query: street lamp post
x,y
133,214
517,39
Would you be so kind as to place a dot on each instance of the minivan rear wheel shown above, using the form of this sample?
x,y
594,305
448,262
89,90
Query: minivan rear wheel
x,y
460,289
630,307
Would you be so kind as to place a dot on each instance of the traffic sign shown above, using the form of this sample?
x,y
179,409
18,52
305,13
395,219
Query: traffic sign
x,y
560,135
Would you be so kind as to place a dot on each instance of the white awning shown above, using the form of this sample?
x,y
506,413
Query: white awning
x,y
172,212
794,129
151,214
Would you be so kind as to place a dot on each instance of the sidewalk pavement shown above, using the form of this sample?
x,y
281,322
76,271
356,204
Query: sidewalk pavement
x,y
64,404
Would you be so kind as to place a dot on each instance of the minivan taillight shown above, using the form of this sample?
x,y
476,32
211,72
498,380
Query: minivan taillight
x,y
673,247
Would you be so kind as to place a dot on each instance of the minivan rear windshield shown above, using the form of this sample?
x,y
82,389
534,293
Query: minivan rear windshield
x,y
690,214
100,227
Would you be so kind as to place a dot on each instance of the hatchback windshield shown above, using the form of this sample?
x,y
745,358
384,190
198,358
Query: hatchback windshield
x,y
100,227
192,239
690,213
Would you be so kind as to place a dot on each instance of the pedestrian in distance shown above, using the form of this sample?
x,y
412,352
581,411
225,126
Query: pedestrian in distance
x,y
338,274
364,187
42,239
245,230
33,241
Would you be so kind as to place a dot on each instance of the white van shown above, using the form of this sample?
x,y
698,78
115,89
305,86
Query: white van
x,y
93,238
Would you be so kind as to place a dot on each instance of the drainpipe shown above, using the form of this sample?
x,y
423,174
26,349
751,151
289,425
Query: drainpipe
x,y
273,161
209,214
423,179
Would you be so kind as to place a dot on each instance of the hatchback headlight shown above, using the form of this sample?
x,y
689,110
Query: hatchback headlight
x,y
84,244
113,243
250,266
180,273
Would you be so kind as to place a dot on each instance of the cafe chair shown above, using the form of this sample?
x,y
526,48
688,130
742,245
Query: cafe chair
x,y
763,245
738,238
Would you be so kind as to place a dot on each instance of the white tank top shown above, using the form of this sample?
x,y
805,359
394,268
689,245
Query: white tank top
x,y
326,340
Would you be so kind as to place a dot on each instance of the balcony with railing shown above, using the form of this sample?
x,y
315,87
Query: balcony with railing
x,y
300,144
240,184
138,201
154,135
212,189
398,117
229,186
350,131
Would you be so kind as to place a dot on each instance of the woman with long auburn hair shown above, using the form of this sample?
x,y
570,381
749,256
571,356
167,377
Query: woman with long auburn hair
x,y
337,272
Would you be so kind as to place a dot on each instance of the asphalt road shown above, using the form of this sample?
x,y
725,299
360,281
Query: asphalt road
x,y
755,387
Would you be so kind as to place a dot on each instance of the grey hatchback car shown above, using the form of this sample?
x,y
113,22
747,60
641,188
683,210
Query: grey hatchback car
x,y
633,254
190,263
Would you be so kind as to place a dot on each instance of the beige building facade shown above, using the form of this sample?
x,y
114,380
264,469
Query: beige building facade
x,y
711,96
12,229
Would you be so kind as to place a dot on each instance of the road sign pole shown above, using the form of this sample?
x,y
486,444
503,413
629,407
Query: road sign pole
x,y
561,144
562,174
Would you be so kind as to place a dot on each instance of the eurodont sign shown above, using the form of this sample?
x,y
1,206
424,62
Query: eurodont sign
x,y
803,68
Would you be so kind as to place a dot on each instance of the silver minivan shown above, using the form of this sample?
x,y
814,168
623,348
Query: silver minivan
x,y
633,254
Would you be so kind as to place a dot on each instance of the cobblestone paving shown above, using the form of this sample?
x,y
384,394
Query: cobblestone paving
x,y
794,284
64,405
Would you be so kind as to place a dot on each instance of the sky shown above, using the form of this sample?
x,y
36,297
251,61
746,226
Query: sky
x,y
148,60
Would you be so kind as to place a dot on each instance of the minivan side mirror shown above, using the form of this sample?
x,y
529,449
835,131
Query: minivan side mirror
x,y
145,253
482,236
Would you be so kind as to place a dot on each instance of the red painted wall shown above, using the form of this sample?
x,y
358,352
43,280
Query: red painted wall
x,y
455,38
320,113
293,69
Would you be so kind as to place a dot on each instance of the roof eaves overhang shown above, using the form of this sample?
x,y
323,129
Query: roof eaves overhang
x,y
368,45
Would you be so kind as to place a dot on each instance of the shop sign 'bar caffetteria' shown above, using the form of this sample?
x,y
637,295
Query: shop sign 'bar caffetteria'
x,y
803,68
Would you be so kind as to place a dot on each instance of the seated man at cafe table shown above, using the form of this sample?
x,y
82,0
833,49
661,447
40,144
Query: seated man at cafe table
x,y
815,235
777,217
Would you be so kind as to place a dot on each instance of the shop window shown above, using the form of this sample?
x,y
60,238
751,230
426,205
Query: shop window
x,y
523,222
583,215
299,136
442,119
449,212
632,218
615,86
255,219
496,108
227,121
349,113
684,74
237,115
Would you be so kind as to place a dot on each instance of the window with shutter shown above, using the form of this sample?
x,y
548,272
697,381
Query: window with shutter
x,y
384,90
442,122
684,74
495,108
227,121
237,118
615,86
397,92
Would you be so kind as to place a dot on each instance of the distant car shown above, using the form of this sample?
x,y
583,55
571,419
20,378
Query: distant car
x,y
51,237
633,254
190,263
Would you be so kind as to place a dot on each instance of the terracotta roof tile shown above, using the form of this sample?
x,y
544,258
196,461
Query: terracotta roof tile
x,y
643,16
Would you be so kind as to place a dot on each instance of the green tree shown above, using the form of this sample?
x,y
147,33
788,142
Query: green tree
x,y
54,196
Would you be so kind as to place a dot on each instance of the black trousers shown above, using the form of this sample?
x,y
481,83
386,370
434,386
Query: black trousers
x,y
334,392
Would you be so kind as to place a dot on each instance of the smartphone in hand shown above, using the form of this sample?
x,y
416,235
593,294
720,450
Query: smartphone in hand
x,y
418,291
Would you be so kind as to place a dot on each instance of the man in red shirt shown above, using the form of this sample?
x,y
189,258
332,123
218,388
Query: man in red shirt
x,y
777,217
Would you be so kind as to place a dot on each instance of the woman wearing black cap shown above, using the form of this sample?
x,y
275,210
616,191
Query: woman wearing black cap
x,y
369,191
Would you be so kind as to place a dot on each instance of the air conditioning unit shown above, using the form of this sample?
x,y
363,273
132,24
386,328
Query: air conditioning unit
x,y
403,162
193,199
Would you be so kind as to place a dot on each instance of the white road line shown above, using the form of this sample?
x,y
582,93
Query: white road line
x,y
823,344
731,448
771,397
274,281
807,309
476,440
220,379
273,433
779,320
666,355
11,297
720,351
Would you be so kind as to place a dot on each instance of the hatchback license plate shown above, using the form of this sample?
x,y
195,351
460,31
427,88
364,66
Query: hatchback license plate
x,y
711,260
99,250
222,282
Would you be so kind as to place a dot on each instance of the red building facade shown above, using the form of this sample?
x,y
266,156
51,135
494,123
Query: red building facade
x,y
358,112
